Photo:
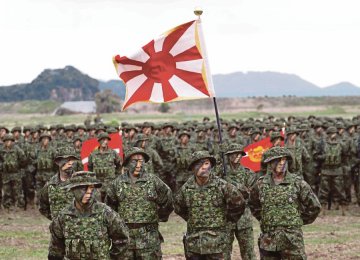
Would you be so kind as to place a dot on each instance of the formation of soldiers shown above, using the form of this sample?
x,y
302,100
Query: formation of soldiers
x,y
178,166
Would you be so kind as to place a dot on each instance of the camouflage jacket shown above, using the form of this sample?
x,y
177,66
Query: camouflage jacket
x,y
243,179
300,155
147,200
183,159
207,210
98,233
106,165
54,197
44,159
11,161
291,203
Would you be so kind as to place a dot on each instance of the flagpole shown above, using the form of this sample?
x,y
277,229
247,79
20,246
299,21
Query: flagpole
x,y
198,12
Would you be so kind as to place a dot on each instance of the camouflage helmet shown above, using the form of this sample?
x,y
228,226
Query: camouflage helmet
x,y
184,133
43,135
59,127
331,130
276,153
111,130
233,126
65,152
5,128
199,155
8,137
235,148
16,128
82,178
69,128
340,125
102,136
141,137
52,127
255,131
81,127
291,130
317,124
77,138
34,130
274,135
26,128
132,151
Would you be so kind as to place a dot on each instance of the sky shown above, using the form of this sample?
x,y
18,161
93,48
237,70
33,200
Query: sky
x,y
318,40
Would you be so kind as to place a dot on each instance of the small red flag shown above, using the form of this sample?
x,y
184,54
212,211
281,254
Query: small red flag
x,y
254,153
90,145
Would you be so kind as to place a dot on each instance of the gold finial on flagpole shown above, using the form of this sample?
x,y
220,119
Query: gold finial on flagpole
x,y
198,11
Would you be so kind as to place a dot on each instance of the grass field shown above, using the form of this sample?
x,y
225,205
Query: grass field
x,y
25,235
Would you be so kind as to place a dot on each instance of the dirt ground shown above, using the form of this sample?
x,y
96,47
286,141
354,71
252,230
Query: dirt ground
x,y
25,235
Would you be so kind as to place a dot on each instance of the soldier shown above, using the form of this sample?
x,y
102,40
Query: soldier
x,y
201,144
276,138
53,196
129,136
332,179
243,179
155,164
12,159
232,135
44,160
87,229
183,152
142,200
282,202
105,162
81,132
207,203
296,146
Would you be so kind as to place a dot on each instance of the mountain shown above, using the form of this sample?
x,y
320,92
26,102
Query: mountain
x,y
70,84
116,86
250,84
342,89
67,84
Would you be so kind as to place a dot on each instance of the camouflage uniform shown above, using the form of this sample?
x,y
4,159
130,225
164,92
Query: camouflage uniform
x,y
207,210
12,160
282,210
106,165
166,151
142,203
243,179
332,179
98,233
53,196
45,166
299,152
182,158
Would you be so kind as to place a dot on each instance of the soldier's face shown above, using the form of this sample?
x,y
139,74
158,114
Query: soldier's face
x,y
53,132
2,132
84,194
131,132
16,134
8,143
233,131
81,131
77,144
168,130
135,164
235,158
184,139
144,144
277,141
292,137
256,137
279,165
333,135
147,130
319,130
104,142
202,168
352,130
45,141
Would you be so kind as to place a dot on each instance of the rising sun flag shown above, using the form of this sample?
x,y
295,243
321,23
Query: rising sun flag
x,y
170,68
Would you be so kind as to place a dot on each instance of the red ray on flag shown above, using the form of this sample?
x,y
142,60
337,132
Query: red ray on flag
x,y
170,68
90,145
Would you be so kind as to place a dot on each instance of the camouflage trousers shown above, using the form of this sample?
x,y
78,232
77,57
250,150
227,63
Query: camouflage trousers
x,y
145,243
309,175
282,244
28,179
332,185
347,183
245,238
13,192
